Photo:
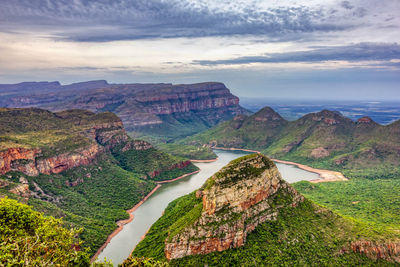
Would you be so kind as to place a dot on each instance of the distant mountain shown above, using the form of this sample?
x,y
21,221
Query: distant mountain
x,y
162,111
79,165
324,139
247,215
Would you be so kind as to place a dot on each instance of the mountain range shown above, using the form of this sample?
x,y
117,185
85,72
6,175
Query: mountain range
x,y
324,139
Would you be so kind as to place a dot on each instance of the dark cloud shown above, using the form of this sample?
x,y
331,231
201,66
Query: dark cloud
x,y
346,5
357,52
107,20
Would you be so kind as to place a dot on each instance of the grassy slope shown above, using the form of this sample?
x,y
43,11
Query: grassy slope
x,y
358,150
376,202
306,235
187,151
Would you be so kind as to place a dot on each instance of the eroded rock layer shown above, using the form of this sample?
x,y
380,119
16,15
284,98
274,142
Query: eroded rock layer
x,y
245,193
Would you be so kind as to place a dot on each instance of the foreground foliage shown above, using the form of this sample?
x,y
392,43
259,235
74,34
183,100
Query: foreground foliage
x,y
143,262
30,239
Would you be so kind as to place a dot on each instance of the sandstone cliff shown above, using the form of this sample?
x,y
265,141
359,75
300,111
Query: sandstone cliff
x,y
153,109
100,132
244,194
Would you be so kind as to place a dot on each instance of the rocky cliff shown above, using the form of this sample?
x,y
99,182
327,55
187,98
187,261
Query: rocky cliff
x,y
244,194
163,110
84,136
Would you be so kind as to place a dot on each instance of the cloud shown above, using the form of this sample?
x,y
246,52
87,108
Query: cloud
x,y
109,20
351,53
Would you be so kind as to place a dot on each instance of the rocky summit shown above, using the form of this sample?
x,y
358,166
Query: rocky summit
x,y
244,194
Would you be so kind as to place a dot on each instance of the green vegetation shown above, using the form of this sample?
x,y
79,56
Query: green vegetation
x,y
145,162
30,239
188,151
303,235
143,262
376,202
99,199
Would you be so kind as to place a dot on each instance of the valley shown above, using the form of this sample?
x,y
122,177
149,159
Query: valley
x,y
84,167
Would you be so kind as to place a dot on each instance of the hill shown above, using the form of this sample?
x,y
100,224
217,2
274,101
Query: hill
x,y
324,139
245,214
79,165
160,112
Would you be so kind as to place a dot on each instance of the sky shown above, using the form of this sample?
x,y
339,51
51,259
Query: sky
x,y
314,49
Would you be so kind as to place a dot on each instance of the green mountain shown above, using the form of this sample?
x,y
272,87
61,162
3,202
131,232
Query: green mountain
x,y
247,215
325,139
80,166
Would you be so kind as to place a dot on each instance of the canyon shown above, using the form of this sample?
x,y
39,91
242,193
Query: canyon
x,y
164,110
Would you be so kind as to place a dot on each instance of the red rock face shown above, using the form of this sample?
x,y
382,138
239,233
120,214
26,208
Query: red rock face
x,y
387,251
12,154
67,161
364,120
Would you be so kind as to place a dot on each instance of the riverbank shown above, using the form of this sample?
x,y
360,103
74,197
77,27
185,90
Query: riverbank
x,y
203,160
121,223
177,178
326,175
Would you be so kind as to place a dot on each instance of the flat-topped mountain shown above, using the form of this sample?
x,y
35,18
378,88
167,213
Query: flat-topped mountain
x,y
246,214
163,110
79,165
325,139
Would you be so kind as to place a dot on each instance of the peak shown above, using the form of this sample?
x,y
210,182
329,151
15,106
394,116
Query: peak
x,y
327,112
234,201
365,119
243,168
328,117
266,114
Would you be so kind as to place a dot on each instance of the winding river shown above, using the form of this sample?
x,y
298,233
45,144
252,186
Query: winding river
x,y
122,244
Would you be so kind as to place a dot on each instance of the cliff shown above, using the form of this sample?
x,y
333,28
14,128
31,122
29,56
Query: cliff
x,y
244,194
159,110
69,139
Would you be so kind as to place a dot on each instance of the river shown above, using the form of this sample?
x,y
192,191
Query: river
x,y
122,244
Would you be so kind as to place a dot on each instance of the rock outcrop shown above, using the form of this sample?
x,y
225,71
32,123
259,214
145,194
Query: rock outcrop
x,y
244,194
373,250
24,155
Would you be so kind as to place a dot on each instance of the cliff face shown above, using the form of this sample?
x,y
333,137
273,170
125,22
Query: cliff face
x,y
11,155
373,250
104,134
244,194
154,109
